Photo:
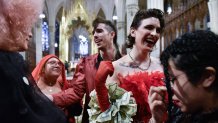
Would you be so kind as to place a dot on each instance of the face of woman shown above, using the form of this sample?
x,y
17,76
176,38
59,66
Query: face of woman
x,y
53,67
147,34
187,96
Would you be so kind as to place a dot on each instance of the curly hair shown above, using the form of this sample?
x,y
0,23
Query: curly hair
x,y
16,20
192,53
139,16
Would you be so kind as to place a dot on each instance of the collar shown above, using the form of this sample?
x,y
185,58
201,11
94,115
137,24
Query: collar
x,y
98,60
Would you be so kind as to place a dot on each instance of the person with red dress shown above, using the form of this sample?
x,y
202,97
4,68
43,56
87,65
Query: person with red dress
x,y
135,72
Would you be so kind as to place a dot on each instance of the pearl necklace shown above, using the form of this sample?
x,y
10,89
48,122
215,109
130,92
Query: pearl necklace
x,y
135,65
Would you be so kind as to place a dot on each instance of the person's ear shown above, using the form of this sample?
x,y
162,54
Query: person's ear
x,y
113,34
132,32
209,76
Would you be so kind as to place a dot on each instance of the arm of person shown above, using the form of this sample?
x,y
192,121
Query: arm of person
x,y
76,90
105,69
113,78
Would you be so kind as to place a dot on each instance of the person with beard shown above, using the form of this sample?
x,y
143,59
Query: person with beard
x,y
21,99
134,72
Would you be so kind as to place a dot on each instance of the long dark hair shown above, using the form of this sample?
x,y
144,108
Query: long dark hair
x,y
191,53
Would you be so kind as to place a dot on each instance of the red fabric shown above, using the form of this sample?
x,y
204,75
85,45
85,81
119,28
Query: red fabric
x,y
61,79
106,68
139,84
76,89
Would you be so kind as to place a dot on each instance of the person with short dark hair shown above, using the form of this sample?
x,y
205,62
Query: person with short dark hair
x,y
190,66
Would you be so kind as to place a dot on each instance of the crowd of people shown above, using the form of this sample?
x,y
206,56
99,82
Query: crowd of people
x,y
181,87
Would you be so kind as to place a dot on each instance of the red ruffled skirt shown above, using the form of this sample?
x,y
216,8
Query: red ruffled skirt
x,y
139,84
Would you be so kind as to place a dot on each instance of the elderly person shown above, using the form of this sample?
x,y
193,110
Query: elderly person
x,y
21,99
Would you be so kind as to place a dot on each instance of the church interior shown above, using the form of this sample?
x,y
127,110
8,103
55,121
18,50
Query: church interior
x,y
65,26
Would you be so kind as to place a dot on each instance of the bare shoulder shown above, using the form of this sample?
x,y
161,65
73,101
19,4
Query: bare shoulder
x,y
116,63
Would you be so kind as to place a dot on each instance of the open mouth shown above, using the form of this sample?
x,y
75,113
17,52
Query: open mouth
x,y
56,69
149,41
97,40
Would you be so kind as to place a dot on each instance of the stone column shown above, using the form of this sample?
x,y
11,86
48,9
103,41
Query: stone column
x,y
52,38
52,12
120,23
63,44
121,34
213,9
155,4
131,8
38,40
159,5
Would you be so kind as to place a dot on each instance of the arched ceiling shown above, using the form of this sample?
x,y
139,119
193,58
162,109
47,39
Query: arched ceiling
x,y
101,14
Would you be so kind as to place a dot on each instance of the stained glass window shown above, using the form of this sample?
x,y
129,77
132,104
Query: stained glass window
x,y
45,36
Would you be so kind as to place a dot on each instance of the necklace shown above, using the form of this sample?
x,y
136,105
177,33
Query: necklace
x,y
50,87
135,65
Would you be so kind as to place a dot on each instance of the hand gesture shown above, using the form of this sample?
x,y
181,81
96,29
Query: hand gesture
x,y
158,103
106,68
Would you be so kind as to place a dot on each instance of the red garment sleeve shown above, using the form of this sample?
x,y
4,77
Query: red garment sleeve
x,y
105,69
76,90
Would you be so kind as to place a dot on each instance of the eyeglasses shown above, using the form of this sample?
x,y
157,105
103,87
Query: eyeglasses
x,y
173,78
54,63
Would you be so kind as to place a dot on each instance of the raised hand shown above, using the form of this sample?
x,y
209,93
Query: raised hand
x,y
106,68
158,103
